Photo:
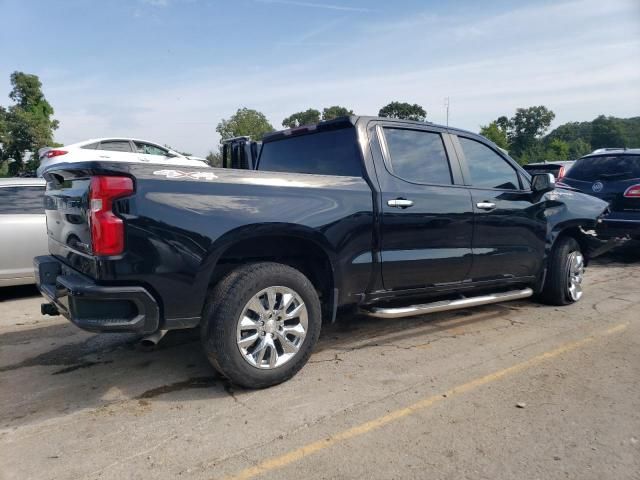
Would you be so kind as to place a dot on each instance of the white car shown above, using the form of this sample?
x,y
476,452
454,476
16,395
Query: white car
x,y
23,229
115,150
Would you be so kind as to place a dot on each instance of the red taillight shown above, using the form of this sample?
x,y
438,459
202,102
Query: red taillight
x,y
107,230
632,192
55,153
561,173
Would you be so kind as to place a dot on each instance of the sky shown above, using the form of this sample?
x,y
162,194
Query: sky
x,y
169,70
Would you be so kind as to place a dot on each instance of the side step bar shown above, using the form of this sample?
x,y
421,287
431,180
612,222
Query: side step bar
x,y
445,305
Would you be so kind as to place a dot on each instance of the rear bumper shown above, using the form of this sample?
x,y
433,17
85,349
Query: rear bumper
x,y
93,307
618,227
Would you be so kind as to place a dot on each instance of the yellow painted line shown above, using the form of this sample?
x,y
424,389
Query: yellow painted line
x,y
282,461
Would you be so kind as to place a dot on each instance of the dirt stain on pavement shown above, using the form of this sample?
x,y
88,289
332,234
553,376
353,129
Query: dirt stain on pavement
x,y
191,383
79,366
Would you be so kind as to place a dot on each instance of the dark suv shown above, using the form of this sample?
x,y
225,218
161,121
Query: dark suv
x,y
614,176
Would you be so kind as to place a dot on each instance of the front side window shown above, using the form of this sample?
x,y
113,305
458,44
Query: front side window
x,y
149,149
418,156
487,168
333,152
21,200
115,146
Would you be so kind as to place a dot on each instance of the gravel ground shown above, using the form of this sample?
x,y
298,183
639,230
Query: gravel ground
x,y
509,391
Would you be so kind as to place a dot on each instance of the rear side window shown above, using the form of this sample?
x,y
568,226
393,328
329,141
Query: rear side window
x,y
334,152
115,146
91,146
149,149
487,168
418,156
616,167
21,200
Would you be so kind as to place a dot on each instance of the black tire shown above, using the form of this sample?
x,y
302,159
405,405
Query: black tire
x,y
556,289
224,308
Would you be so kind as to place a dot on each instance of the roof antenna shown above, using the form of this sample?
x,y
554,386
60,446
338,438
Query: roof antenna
x,y
446,105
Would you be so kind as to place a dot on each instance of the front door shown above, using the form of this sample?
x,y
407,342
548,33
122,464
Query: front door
x,y
510,226
427,217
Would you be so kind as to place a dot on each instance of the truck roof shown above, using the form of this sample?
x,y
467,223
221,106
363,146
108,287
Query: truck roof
x,y
342,122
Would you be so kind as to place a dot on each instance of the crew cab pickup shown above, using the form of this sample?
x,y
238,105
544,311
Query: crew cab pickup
x,y
389,217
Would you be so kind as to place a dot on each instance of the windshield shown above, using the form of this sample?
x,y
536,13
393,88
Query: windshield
x,y
618,167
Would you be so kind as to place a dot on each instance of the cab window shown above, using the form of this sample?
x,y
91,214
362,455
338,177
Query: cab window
x,y
487,168
418,156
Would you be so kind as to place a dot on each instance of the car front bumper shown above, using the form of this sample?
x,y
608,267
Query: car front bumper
x,y
93,307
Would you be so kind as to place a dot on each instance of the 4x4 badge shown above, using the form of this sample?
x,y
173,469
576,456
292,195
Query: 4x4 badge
x,y
597,187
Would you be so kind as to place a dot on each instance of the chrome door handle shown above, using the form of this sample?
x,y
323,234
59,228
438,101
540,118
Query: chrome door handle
x,y
400,203
486,205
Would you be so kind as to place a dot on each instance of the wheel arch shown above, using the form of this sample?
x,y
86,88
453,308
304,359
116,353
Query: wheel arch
x,y
301,248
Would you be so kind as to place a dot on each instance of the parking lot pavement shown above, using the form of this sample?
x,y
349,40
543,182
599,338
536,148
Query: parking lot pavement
x,y
515,390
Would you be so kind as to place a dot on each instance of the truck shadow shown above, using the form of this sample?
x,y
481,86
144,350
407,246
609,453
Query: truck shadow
x,y
18,292
84,370
57,369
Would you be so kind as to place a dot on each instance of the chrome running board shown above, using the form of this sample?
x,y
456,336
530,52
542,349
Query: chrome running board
x,y
445,305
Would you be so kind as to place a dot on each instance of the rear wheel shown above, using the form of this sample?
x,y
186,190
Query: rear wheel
x,y
261,324
565,273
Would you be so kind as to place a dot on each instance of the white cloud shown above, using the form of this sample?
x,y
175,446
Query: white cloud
x,y
577,58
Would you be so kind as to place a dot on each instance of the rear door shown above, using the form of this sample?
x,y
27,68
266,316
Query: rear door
x,y
427,218
23,232
509,224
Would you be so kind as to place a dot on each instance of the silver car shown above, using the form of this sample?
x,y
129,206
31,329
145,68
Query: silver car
x,y
23,228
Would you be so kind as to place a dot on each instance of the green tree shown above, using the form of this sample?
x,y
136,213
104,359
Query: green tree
x,y
578,148
557,150
245,122
335,111
4,134
298,119
527,126
607,132
214,158
27,124
403,110
496,134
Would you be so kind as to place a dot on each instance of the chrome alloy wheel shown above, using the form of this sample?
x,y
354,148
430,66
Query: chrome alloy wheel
x,y
272,327
575,275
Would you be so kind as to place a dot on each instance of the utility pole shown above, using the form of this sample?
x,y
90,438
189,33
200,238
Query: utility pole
x,y
446,105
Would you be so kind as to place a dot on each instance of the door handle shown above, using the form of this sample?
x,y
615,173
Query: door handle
x,y
486,205
400,203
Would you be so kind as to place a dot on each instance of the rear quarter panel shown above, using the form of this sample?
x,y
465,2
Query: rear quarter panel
x,y
180,221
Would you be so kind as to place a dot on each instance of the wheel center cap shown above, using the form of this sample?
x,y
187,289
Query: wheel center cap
x,y
270,326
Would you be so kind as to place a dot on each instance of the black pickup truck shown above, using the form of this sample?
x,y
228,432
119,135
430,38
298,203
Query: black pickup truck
x,y
390,217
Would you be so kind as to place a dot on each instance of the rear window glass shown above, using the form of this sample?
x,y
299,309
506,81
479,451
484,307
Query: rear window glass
x,y
21,200
115,146
617,167
333,152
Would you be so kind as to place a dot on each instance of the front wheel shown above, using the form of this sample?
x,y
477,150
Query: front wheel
x,y
565,273
261,324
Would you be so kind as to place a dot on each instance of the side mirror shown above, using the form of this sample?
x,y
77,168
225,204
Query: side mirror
x,y
543,182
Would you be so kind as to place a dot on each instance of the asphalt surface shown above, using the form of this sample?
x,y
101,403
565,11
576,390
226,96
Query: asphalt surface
x,y
510,391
